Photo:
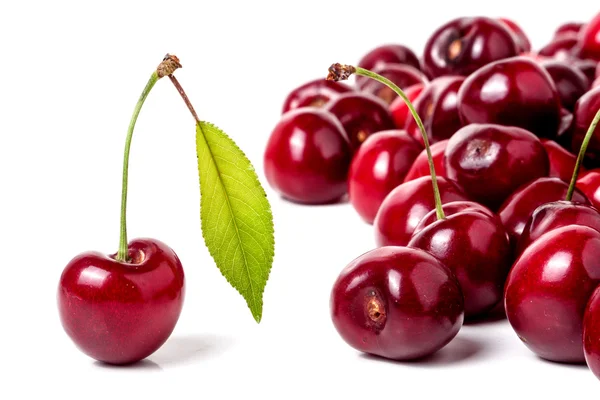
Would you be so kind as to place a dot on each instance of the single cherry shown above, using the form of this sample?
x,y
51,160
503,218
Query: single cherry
x,y
489,162
570,82
397,303
378,166
361,114
562,161
454,207
585,109
496,94
591,333
589,39
387,54
403,76
561,47
420,166
568,27
308,156
315,93
586,66
398,107
463,45
548,288
589,183
523,43
437,106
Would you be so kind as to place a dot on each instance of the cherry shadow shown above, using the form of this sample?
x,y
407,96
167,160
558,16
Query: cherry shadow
x,y
143,365
496,315
581,366
179,350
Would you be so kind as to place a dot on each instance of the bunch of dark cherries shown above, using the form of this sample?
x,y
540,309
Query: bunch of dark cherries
x,y
510,219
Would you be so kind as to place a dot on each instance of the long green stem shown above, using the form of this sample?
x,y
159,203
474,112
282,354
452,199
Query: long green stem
x,y
581,155
123,254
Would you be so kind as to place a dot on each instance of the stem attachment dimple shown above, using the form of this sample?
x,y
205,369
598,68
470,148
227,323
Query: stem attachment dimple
x,y
339,72
581,155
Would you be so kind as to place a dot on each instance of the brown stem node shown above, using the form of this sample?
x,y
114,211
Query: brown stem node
x,y
168,65
340,72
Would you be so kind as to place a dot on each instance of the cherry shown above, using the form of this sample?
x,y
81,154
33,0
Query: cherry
x,y
589,39
548,288
315,93
437,106
561,47
420,166
397,303
361,114
587,67
589,184
496,94
387,54
398,107
463,45
489,162
378,166
596,83
570,82
120,312
598,70
562,161
568,27
402,75
591,333
308,156
521,38
585,109
454,207
517,209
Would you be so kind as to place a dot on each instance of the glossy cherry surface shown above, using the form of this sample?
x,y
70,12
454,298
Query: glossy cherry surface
x,y
496,94
523,43
387,54
452,208
585,110
404,207
315,93
121,312
568,27
403,76
463,45
548,288
489,162
437,107
399,109
589,183
361,114
397,303
561,47
308,156
588,67
420,165
562,161
589,39
379,165
570,82
517,209
476,248
591,333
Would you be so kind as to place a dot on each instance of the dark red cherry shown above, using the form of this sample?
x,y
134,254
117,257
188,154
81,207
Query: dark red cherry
x,y
378,166
476,248
387,54
555,215
570,82
420,166
308,156
315,93
398,107
585,110
521,38
561,47
361,114
548,288
589,39
489,162
437,107
397,303
591,333
562,161
454,207
517,209
587,67
463,45
404,207
403,76
589,183
496,94
565,130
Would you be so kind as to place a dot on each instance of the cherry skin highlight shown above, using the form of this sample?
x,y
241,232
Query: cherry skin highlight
x,y
378,166
489,162
589,183
308,156
315,93
589,40
562,161
399,109
591,333
403,76
420,166
585,110
122,312
397,303
548,288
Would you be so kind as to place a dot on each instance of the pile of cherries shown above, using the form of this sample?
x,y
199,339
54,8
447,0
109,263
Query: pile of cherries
x,y
510,217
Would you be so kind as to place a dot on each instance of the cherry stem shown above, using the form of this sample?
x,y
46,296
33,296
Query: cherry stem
x,y
339,72
581,155
186,100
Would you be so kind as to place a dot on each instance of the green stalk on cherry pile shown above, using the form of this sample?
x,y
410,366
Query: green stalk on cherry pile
x,y
581,155
168,65
340,72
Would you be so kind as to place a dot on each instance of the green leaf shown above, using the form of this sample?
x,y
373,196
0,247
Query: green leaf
x,y
237,223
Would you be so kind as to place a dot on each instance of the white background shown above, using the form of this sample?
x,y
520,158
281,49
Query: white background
x,y
71,74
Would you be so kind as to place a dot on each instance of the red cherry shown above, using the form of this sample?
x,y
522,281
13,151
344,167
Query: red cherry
x,y
570,82
420,166
496,94
463,45
585,110
361,114
589,183
561,47
398,107
568,27
387,54
378,166
315,93
521,38
451,208
591,333
403,76
308,156
397,303
403,208
562,161
589,39
596,83
437,107
489,162
587,67
548,288
121,312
